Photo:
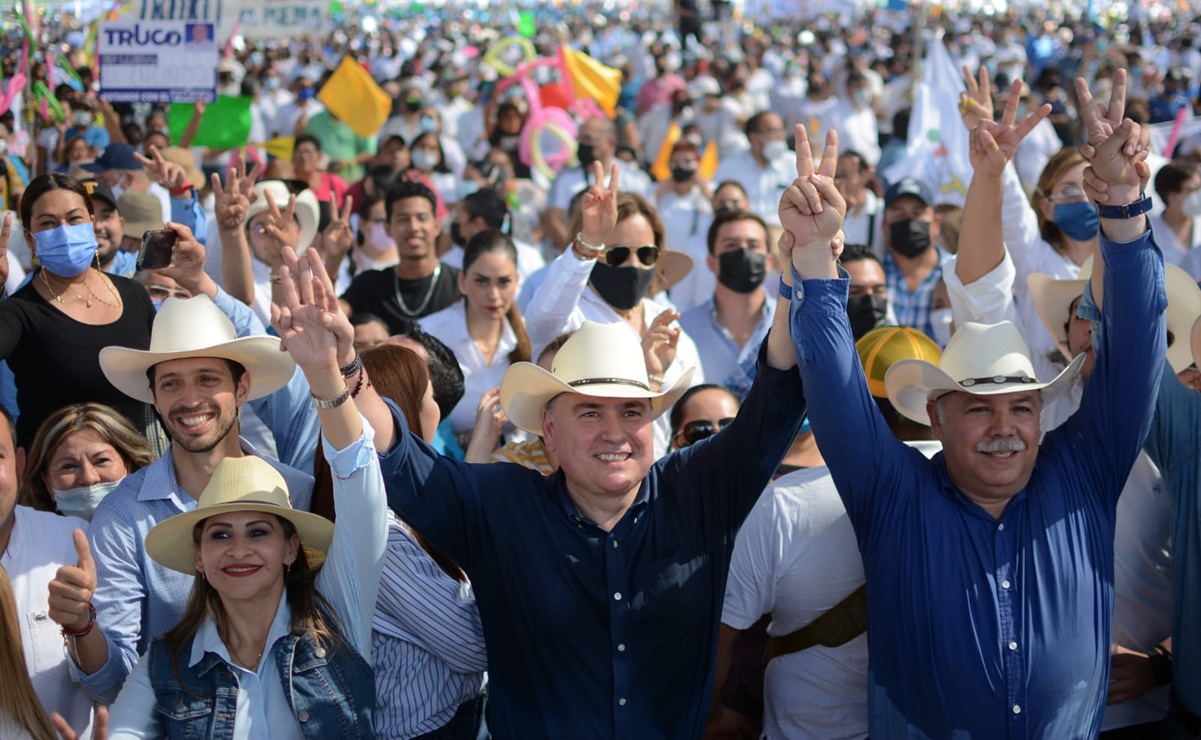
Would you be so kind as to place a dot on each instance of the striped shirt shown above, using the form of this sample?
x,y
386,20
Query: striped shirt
x,y
427,643
913,308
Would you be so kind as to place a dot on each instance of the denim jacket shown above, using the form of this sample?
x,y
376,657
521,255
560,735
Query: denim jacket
x,y
331,692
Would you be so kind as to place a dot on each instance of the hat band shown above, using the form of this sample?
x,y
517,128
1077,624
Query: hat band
x,y
609,381
243,501
997,380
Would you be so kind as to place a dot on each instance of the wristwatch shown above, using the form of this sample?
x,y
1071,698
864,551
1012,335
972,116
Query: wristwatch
x,y
1130,210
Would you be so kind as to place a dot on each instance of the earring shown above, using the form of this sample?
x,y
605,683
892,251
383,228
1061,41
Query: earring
x,y
201,574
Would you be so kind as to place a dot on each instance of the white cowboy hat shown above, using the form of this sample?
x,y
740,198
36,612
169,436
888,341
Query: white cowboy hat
x,y
307,211
982,359
194,327
1053,298
238,484
1196,342
603,360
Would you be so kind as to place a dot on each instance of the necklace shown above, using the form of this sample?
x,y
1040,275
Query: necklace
x,y
87,302
429,294
238,657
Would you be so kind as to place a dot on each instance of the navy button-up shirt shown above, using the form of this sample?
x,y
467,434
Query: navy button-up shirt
x,y
594,634
983,627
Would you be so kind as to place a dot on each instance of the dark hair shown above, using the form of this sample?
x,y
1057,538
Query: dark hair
x,y
1172,177
849,153
367,318
731,184
677,411
404,190
307,139
752,123
554,345
729,217
487,241
488,205
445,373
43,184
858,253
441,166
236,369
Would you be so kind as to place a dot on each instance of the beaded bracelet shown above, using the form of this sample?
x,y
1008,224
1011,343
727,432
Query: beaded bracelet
x,y
67,632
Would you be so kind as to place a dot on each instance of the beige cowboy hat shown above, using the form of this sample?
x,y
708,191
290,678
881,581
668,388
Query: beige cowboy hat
x,y
672,267
238,484
307,211
602,360
981,359
1196,342
1052,298
142,212
194,327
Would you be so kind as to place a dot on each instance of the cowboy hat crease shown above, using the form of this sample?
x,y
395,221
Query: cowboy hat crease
x,y
602,360
195,327
981,359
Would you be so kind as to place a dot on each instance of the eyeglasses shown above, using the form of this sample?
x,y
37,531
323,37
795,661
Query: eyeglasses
x,y
617,256
1069,195
695,431
162,293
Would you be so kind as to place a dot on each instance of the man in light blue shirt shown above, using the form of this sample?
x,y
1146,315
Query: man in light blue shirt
x,y
729,327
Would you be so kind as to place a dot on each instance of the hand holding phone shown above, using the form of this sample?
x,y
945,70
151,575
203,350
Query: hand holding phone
x,y
156,249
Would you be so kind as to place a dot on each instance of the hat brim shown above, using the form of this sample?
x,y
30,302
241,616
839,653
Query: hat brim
x,y
673,267
307,212
910,384
136,229
269,369
170,543
527,388
1052,298
1196,342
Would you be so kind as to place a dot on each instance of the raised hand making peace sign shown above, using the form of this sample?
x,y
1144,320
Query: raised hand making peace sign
x,y
1117,147
812,210
232,201
993,144
599,208
168,174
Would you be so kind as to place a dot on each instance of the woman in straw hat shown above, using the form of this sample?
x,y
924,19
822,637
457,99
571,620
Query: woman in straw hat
x,y
279,617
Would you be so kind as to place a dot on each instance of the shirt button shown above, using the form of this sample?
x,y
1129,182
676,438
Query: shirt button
x,y
261,731
617,597
621,648
1013,646
1017,709
622,702
303,716
615,544
1001,527
1004,584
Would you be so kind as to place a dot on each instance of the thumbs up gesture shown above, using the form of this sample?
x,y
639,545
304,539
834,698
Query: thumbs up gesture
x,y
72,588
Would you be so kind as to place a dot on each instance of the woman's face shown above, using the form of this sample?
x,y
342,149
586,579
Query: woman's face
x,y
490,284
55,208
633,232
243,555
83,458
305,159
426,154
77,150
1069,188
430,415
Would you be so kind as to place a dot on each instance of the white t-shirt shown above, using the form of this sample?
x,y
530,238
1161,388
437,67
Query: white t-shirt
x,y
41,542
450,326
866,226
763,185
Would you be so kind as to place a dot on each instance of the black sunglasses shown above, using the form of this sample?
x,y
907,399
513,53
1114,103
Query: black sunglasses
x,y
695,431
617,256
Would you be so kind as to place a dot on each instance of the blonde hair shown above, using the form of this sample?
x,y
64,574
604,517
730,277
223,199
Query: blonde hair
x,y
105,421
1057,166
19,703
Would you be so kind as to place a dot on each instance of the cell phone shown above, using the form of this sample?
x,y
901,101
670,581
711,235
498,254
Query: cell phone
x,y
156,249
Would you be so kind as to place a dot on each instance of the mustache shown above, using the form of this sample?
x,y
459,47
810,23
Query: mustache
x,y
1001,444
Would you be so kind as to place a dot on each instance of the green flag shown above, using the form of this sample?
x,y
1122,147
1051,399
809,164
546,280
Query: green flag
x,y
226,122
526,25
336,7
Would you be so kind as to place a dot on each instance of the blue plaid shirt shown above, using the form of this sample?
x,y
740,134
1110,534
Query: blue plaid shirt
x,y
912,309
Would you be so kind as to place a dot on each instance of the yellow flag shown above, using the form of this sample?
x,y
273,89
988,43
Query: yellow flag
x,y
709,162
591,79
280,147
352,96
662,169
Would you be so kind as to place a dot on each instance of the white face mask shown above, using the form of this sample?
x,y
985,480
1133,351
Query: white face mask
x,y
82,119
118,189
82,501
941,319
1191,206
774,149
424,160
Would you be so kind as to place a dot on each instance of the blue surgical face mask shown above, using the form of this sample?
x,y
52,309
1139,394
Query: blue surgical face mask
x,y
67,250
471,187
82,501
157,305
1078,220
427,124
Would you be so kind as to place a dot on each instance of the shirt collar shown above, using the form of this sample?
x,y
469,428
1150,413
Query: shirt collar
x,y
160,483
573,514
208,641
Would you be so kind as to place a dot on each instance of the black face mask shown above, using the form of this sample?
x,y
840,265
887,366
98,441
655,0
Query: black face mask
x,y
412,106
621,287
742,270
682,174
586,154
456,235
910,237
866,313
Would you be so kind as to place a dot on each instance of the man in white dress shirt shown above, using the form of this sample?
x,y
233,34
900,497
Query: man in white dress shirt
x,y
33,546
766,170
865,217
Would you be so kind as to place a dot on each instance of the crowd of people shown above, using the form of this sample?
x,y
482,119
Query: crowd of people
x,y
727,426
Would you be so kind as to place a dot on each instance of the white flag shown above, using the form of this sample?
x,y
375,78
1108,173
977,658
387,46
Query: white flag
x,y
938,143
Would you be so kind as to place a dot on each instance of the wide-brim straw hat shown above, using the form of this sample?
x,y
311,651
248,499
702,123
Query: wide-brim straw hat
x,y
601,360
307,210
1053,299
238,484
981,359
195,327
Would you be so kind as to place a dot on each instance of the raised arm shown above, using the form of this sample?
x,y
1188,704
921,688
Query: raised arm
x,y
230,204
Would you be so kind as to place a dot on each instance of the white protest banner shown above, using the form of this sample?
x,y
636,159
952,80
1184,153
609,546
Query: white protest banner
x,y
157,61
279,18
217,12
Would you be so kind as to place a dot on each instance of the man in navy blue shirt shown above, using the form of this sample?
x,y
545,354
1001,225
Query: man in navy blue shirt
x,y
599,587
990,568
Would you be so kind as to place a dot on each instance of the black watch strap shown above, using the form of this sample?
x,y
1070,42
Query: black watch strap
x,y
1130,210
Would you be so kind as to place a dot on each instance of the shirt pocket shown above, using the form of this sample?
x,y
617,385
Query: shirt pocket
x,y
45,642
